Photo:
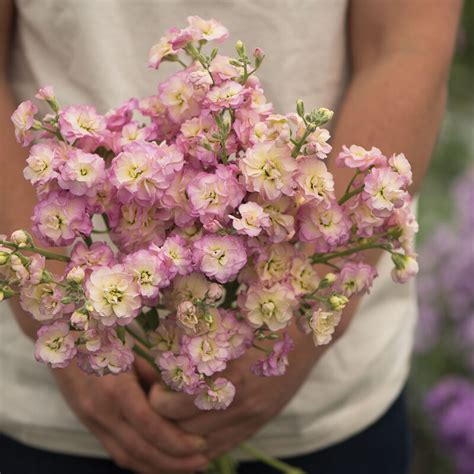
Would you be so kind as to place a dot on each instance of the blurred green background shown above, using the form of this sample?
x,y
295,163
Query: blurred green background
x,y
439,207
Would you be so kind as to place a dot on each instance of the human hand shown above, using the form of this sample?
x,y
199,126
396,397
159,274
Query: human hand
x,y
257,400
116,410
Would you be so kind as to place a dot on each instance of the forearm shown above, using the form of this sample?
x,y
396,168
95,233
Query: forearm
x,y
16,195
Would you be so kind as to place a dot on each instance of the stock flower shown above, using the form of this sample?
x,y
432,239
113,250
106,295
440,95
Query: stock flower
x,y
208,353
23,119
145,266
220,257
217,396
55,345
269,170
355,278
215,194
177,256
114,295
252,219
237,333
230,94
81,173
187,316
188,288
99,254
274,263
112,358
401,165
209,30
276,362
406,267
46,93
303,277
272,306
314,180
323,224
384,190
121,116
323,324
282,222
80,121
42,164
178,372
360,158
42,301
59,219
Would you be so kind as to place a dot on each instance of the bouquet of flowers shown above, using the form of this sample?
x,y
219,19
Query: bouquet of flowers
x,y
202,224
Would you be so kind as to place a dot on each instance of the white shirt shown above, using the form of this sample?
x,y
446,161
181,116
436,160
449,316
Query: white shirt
x,y
95,51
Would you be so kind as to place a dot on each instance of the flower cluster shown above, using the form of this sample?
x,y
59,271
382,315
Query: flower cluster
x,y
224,221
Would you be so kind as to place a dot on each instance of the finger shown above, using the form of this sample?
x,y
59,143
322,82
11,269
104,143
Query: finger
x,y
172,405
160,432
149,457
145,373
210,421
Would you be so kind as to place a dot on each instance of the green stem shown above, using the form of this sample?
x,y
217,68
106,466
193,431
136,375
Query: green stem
x,y
139,338
224,464
351,182
38,250
280,466
296,150
182,63
267,351
344,253
145,355
347,196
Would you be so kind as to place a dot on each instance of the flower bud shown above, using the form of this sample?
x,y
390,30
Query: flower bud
x,y
240,48
76,275
186,314
328,280
325,114
215,292
258,54
21,238
6,292
4,257
79,319
338,302
300,107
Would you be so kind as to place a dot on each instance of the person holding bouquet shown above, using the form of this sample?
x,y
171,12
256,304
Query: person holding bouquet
x,y
383,67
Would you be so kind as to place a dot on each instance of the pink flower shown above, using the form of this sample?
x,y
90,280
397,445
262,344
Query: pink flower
x,y
323,224
146,269
358,157
355,278
55,345
42,164
314,180
111,358
406,267
237,333
218,395
277,361
114,295
269,170
118,118
81,173
43,301
178,372
219,257
24,118
209,354
401,165
99,254
230,94
215,194
80,121
323,325
222,70
59,219
209,30
46,93
252,219
272,306
384,191
177,256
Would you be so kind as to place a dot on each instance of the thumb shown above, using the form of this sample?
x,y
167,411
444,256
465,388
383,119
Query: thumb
x,y
145,373
172,405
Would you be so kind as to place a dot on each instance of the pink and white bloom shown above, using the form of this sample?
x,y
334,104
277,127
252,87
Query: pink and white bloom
x,y
80,121
82,173
230,94
177,256
208,353
323,325
355,277
55,345
276,362
59,219
23,119
46,93
272,306
209,30
114,295
217,396
323,224
406,267
357,157
384,190
269,170
42,164
219,257
121,116
401,165
99,254
314,179
111,358
178,372
145,267
252,219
